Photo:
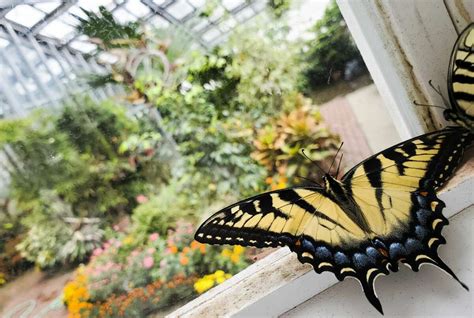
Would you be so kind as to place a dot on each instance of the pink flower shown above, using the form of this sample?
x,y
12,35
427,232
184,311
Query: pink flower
x,y
151,250
97,251
106,245
153,237
163,263
135,253
141,199
116,227
148,262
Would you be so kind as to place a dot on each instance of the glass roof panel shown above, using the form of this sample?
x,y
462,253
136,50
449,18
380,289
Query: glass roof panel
x,y
159,2
137,8
232,4
244,14
94,5
4,43
58,30
210,35
83,46
217,14
180,9
25,15
197,3
158,22
48,7
123,16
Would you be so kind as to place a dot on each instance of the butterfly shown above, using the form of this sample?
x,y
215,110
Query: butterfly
x,y
461,80
382,211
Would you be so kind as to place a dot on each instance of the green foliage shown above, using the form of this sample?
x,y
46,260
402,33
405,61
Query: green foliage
x,y
74,155
102,26
55,236
278,144
279,7
161,212
330,50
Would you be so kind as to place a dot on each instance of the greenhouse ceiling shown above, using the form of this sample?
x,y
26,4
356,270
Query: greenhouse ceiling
x,y
55,22
43,56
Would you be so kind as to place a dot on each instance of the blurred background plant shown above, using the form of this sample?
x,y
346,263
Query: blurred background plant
x,y
331,55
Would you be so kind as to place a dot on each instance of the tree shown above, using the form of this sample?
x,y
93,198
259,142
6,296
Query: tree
x,y
330,50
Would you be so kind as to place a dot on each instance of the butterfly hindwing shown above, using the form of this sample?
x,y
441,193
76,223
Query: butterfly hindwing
x,y
461,80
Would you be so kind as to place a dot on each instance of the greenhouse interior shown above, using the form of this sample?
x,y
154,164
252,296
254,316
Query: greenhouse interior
x,y
125,124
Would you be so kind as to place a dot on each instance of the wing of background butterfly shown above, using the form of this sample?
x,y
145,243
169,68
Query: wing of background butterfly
x,y
461,79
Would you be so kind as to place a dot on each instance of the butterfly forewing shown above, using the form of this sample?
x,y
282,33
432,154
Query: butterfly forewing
x,y
280,218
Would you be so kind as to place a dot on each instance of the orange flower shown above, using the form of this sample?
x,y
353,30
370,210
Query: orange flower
x,y
195,245
186,250
269,180
183,260
173,249
202,249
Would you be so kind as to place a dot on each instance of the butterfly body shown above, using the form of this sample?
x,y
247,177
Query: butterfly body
x,y
382,212
461,80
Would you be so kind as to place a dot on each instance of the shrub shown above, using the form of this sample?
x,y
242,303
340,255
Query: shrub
x,y
278,145
330,50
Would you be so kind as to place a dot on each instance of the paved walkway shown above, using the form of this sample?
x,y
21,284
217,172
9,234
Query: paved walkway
x,y
362,122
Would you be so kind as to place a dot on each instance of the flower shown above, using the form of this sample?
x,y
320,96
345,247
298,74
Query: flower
x,y
183,260
163,263
235,258
172,249
128,240
203,284
226,252
153,237
97,251
151,250
238,249
148,262
141,199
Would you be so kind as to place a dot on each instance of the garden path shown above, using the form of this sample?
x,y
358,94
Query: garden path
x,y
362,122
32,292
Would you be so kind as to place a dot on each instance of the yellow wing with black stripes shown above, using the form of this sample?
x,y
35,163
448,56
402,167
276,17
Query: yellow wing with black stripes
x,y
461,80
384,210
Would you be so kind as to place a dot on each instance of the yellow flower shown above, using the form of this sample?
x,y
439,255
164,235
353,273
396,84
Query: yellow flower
x,y
128,240
238,249
235,258
219,273
226,252
203,284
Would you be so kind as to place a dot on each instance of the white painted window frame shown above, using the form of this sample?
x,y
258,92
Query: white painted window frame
x,y
405,43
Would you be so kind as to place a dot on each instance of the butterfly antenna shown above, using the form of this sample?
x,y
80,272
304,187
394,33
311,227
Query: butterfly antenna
x,y
339,165
314,162
308,179
438,91
334,159
427,105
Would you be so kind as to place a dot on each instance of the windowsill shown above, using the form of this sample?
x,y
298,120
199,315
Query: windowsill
x,y
280,282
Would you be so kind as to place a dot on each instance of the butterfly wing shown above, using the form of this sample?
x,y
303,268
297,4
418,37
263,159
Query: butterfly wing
x,y
395,190
281,217
461,79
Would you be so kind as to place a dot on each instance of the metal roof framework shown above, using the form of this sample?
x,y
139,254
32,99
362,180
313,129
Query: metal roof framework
x,y
42,56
